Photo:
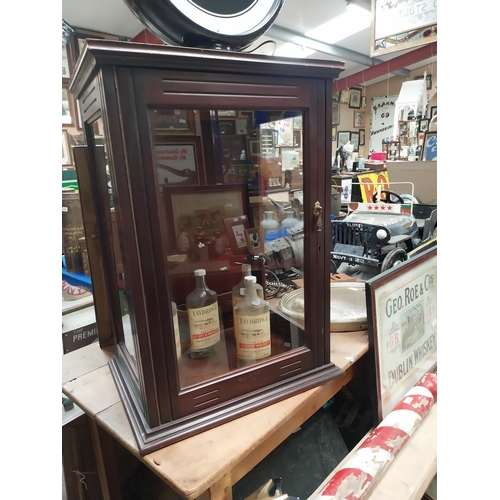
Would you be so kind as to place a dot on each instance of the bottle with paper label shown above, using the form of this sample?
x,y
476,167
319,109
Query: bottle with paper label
x,y
253,331
238,291
203,317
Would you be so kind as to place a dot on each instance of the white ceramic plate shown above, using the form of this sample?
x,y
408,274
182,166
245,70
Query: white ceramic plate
x,y
347,306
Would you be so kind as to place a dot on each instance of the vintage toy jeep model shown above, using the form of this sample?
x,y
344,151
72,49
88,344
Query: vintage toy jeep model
x,y
382,234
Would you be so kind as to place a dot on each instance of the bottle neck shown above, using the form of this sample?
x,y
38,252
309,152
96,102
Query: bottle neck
x,y
251,291
199,282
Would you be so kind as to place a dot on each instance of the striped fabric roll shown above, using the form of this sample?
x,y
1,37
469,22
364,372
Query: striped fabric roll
x,y
357,476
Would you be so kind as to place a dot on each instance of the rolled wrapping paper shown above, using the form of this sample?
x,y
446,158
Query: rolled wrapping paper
x,y
368,463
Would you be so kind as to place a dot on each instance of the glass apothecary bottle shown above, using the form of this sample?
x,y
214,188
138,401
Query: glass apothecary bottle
x,y
269,224
238,291
203,316
290,220
253,325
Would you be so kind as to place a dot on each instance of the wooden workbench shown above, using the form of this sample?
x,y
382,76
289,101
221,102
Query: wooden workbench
x,y
208,462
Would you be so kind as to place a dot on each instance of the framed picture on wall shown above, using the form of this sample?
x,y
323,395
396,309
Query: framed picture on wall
x,y
334,133
335,113
423,125
344,96
355,98
355,141
336,96
358,119
362,137
434,111
343,138
429,149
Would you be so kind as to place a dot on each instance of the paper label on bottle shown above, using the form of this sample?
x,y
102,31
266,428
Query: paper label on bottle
x,y
253,337
204,326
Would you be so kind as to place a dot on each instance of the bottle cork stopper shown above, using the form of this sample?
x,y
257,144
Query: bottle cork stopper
x,y
200,272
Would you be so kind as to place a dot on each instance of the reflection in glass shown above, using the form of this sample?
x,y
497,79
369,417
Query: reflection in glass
x,y
230,198
120,266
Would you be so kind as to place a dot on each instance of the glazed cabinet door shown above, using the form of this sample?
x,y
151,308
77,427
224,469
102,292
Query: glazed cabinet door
x,y
212,208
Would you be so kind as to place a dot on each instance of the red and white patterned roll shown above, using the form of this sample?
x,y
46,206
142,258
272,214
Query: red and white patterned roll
x,y
367,464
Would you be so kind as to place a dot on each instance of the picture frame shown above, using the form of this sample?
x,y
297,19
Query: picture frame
x,y
255,240
428,80
206,206
233,145
355,95
235,232
433,112
297,122
402,327
362,137
336,96
429,148
297,139
354,138
241,126
246,114
344,96
335,113
253,147
226,112
66,149
343,138
227,127
423,125
170,121
179,159
68,107
358,119
334,133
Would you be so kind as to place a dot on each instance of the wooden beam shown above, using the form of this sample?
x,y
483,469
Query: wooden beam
x,y
386,67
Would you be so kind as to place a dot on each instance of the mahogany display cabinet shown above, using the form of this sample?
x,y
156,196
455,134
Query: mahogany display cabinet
x,y
164,194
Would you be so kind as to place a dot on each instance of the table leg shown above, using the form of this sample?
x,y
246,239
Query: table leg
x,y
221,489
107,466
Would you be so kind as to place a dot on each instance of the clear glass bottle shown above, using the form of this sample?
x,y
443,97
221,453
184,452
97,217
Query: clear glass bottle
x,y
203,317
269,224
238,291
253,332
290,220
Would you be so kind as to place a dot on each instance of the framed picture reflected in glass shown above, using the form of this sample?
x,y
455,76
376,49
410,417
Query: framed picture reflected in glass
x,y
165,121
179,159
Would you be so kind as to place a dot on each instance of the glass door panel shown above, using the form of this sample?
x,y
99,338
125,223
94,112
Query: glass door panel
x,y
230,192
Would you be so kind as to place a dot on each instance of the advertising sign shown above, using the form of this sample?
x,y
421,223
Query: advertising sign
x,y
402,326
